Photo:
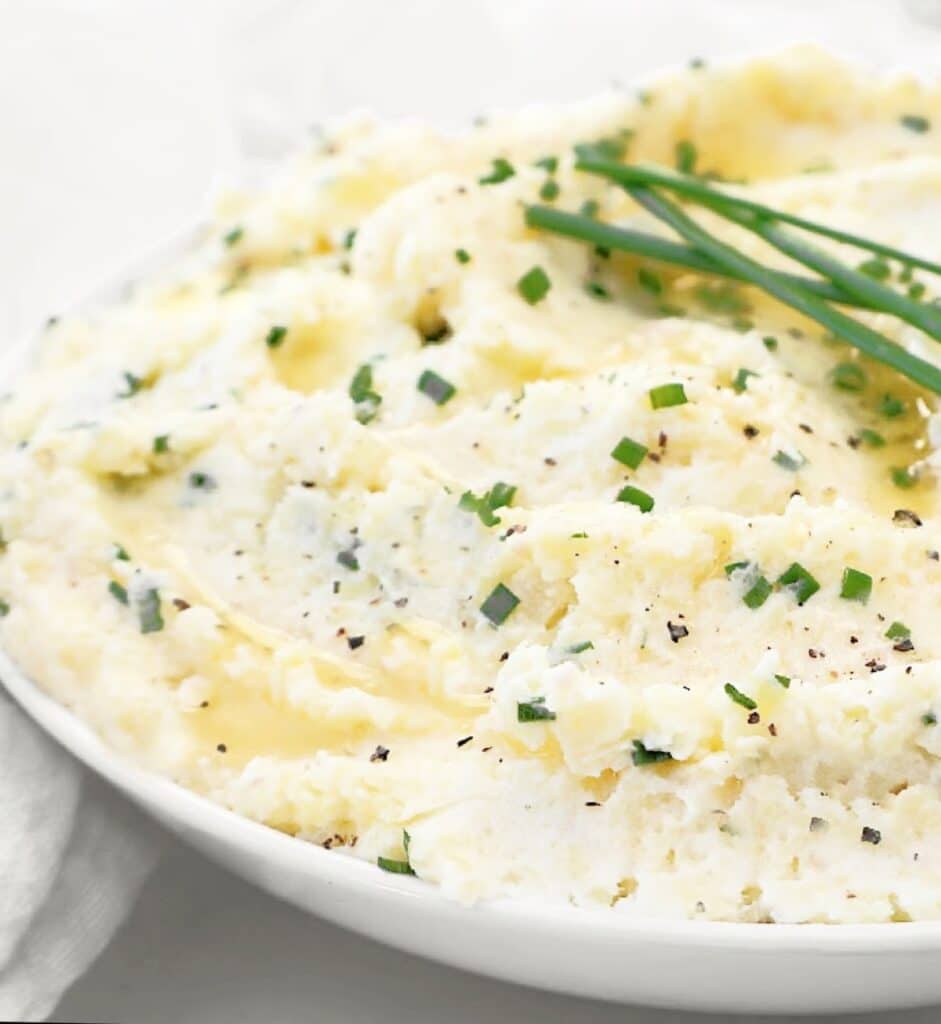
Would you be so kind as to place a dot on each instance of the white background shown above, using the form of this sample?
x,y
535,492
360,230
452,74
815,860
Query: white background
x,y
120,117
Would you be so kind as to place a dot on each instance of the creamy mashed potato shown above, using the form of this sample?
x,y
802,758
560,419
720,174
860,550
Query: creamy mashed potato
x,y
323,522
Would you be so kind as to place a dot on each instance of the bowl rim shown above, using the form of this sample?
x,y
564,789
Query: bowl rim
x,y
333,868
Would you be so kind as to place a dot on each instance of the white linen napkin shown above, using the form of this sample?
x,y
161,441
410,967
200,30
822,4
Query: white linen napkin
x,y
72,859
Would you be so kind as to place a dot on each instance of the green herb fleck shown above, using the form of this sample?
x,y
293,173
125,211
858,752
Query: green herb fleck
x,y
915,123
501,170
740,698
550,164
929,718
800,581
848,377
499,604
891,407
161,444
365,399
902,476
597,290
635,496
686,156
233,237
876,268
4,608
534,285
872,438
666,395
757,593
740,380
784,681
118,592
436,388
462,256
629,453
585,645
898,631
770,343
549,190
148,611
649,280
641,755
132,385
349,239
856,585
202,481
275,336
787,461
533,710
120,554
916,290
589,208
499,496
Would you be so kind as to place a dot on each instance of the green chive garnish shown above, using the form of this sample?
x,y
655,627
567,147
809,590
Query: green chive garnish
x,y
785,681
499,496
348,560
365,399
161,444
686,156
641,755
202,482
462,256
740,380
550,164
275,336
856,585
501,170
233,236
499,604
585,645
902,476
549,190
649,281
635,496
395,867
875,268
436,388
4,608
118,592
800,581
891,407
534,285
848,377
787,461
770,343
629,453
533,710
757,593
740,698
915,123
132,384
666,395
148,611
898,631
120,554
872,438
929,718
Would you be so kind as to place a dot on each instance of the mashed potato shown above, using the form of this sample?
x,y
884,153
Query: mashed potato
x,y
323,522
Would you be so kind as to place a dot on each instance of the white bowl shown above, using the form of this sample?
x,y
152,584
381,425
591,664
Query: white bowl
x,y
695,965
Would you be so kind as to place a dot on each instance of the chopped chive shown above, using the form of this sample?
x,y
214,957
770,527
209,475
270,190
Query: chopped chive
x,y
585,645
872,438
722,298
232,237
349,239
902,476
348,559
202,481
161,444
118,592
534,285
929,718
891,407
915,123
649,280
436,388
590,208
365,400
666,395
132,385
501,169
499,496
120,554
848,377
787,461
148,611
916,290
770,343
757,593
856,585
635,496
784,681
549,190
533,710
499,604
550,164
597,290
735,567
898,631
4,608
740,698
395,867
686,156
612,147
275,336
800,581
579,536
876,268
641,755
740,380
462,256
629,453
